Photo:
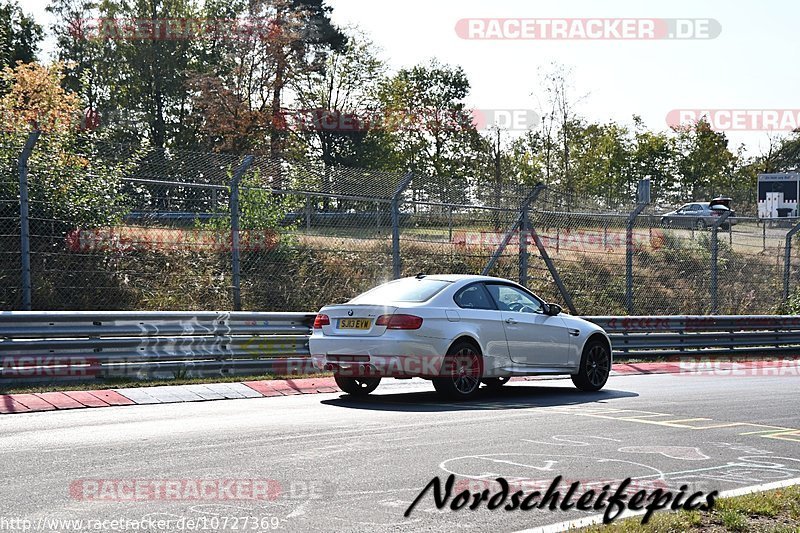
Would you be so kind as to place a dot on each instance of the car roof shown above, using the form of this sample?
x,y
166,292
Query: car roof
x,y
463,277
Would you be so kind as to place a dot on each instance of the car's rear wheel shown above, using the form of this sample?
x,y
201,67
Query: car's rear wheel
x,y
700,224
495,383
595,367
461,372
357,386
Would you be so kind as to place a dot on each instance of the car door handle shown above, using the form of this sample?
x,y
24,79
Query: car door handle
x,y
510,321
574,332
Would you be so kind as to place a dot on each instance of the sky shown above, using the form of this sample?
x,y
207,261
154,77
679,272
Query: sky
x,y
750,65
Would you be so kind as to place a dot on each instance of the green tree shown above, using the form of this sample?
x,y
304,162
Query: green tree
x,y
654,157
431,128
704,162
20,35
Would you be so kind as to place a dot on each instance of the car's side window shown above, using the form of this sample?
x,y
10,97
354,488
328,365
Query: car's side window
x,y
474,297
509,298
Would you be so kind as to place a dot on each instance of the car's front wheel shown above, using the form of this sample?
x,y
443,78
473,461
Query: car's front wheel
x,y
595,367
461,372
357,386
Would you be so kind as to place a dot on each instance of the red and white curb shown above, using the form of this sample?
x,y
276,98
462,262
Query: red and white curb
x,y
57,401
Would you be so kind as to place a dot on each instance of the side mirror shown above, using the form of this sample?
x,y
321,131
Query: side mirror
x,y
553,310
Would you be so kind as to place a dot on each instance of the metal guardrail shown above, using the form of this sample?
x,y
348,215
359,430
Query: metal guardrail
x,y
36,346
692,336
64,345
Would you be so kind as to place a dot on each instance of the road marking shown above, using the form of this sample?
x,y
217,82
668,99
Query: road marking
x,y
598,519
641,417
683,420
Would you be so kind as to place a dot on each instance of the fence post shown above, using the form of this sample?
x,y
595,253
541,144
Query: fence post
x,y
714,254
235,252
396,260
308,213
450,224
642,201
524,229
510,233
562,289
24,219
787,260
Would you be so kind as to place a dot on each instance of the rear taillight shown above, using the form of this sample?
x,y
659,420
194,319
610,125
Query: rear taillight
x,y
399,321
321,320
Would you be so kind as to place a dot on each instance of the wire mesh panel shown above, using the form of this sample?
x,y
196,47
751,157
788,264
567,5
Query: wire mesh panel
x,y
438,238
329,234
672,267
10,259
585,239
751,266
121,227
456,225
133,232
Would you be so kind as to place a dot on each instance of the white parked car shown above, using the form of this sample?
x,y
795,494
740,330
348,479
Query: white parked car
x,y
459,331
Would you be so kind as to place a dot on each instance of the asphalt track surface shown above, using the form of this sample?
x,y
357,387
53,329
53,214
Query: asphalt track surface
x,y
355,465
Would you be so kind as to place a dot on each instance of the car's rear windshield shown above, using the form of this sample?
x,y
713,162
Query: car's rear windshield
x,y
402,290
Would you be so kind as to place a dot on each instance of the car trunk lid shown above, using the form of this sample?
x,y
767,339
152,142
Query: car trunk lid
x,y
355,320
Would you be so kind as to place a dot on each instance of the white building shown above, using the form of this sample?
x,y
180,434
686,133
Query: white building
x,y
778,194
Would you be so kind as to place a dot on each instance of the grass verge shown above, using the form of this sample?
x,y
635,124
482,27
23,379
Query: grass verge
x,y
775,511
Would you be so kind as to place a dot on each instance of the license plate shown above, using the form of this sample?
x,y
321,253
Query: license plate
x,y
355,323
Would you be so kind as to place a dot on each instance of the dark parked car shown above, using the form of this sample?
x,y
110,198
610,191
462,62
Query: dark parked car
x,y
700,215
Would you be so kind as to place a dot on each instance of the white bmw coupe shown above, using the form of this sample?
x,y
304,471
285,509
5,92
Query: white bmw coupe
x,y
458,331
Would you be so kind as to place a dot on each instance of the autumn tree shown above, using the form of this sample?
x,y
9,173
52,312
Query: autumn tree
x,y
69,182
35,99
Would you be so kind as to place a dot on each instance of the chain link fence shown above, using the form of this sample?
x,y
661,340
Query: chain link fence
x,y
117,227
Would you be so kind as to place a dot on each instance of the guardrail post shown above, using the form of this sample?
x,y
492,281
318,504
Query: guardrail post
x,y
235,251
397,266
24,219
787,260
714,254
